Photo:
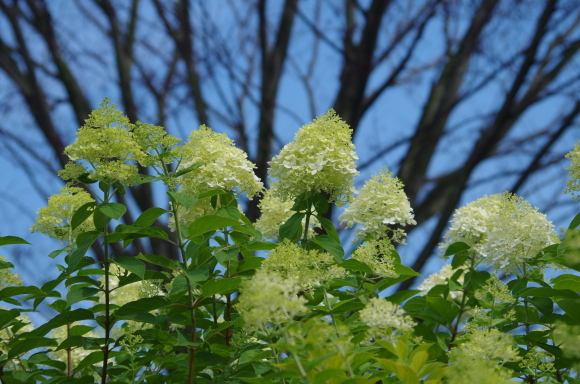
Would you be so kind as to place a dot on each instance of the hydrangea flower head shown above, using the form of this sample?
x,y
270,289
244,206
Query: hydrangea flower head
x,y
385,319
8,278
54,220
152,138
320,159
269,298
440,278
381,201
311,268
503,231
573,185
275,212
106,143
376,254
223,165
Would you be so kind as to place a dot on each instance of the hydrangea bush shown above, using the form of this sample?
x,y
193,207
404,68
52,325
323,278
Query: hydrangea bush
x,y
279,300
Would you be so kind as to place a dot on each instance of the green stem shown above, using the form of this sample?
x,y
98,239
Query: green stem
x,y
327,303
307,223
107,324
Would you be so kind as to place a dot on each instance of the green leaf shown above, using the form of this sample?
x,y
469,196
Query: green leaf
x,y
459,259
446,308
574,223
161,261
197,275
291,228
572,308
456,248
355,265
9,240
76,295
546,292
7,315
79,330
404,270
9,292
123,232
63,319
320,204
259,246
184,199
131,264
142,305
401,296
147,218
84,241
331,245
113,210
210,223
29,344
221,286
81,214
328,227
6,264
92,358
567,281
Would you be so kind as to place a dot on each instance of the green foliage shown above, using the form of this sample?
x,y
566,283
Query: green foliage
x,y
305,313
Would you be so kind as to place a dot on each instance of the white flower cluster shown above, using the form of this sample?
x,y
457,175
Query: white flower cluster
x,y
384,319
268,297
503,230
381,201
320,159
275,212
223,165
440,278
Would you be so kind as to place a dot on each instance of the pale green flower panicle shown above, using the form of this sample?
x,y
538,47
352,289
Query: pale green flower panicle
x,y
270,298
106,143
376,254
503,231
385,319
320,159
275,212
7,277
441,278
573,185
480,355
310,268
221,166
381,201
55,219
155,141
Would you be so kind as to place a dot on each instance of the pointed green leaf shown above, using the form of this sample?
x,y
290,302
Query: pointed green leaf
x,y
76,295
9,240
291,228
210,223
328,227
574,223
142,305
161,261
184,199
320,204
455,248
113,210
63,319
131,264
81,214
10,292
221,286
147,218
331,245
29,344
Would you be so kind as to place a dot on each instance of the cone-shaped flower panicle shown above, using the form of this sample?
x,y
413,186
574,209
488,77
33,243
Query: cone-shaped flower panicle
x,y
310,268
275,212
107,145
153,141
573,185
222,164
55,219
503,231
381,201
270,298
385,319
320,159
